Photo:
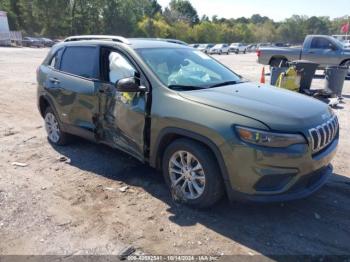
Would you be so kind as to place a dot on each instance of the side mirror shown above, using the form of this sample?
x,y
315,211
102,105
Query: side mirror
x,y
333,47
130,85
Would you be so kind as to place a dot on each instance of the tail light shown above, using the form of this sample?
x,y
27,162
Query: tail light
x,y
258,53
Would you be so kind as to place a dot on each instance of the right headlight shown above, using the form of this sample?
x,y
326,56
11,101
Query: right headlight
x,y
268,139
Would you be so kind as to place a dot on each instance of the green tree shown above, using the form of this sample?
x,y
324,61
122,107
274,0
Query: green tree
x,y
206,32
317,25
265,32
84,16
258,19
182,31
31,25
154,27
292,30
181,10
45,10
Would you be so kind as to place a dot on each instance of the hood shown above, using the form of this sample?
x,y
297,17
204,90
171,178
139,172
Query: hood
x,y
277,108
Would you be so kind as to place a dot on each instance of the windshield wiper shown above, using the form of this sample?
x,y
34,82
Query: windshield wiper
x,y
184,87
226,83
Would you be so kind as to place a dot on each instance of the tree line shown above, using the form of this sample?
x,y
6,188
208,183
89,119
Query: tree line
x,y
146,18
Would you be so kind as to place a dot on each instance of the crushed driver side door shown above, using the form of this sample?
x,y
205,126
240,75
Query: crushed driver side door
x,y
123,114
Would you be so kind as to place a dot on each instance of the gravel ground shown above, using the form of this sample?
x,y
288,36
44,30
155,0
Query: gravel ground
x,y
102,200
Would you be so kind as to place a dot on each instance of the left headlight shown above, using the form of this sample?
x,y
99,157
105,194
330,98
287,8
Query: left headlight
x,y
268,139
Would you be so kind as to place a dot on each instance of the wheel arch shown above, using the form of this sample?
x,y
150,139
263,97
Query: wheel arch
x,y
168,135
344,61
43,105
277,57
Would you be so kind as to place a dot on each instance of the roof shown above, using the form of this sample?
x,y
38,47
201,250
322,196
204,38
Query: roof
x,y
135,43
97,37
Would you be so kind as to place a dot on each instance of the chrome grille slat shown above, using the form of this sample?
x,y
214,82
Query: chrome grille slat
x,y
325,130
322,135
328,131
334,128
331,129
318,138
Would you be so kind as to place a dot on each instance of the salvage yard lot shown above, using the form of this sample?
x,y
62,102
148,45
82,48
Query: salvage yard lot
x,y
101,200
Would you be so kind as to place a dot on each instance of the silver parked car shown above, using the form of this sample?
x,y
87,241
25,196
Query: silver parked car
x,y
238,48
220,49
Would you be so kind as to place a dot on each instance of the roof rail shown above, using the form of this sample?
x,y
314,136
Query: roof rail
x,y
114,38
174,41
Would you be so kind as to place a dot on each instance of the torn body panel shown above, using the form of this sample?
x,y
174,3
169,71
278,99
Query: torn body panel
x,y
123,120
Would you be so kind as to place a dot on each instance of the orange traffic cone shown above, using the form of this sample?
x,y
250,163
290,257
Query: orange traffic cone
x,y
262,79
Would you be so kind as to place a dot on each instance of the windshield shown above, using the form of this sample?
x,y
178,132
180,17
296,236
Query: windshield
x,y
186,68
338,42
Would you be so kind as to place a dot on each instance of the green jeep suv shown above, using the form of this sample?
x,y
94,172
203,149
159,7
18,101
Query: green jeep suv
x,y
184,113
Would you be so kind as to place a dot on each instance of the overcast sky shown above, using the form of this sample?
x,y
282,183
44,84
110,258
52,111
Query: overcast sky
x,y
275,9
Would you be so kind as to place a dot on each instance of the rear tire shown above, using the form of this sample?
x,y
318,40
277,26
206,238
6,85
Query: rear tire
x,y
54,132
276,62
192,174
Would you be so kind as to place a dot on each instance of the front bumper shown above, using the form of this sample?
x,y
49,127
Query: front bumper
x,y
273,175
306,185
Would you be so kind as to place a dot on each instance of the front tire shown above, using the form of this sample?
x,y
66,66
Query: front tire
x,y
53,129
347,63
192,174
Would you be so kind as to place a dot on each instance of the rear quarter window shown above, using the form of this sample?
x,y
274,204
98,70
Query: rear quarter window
x,y
80,61
55,60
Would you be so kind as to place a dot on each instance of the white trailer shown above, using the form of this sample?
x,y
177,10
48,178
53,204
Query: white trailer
x,y
5,37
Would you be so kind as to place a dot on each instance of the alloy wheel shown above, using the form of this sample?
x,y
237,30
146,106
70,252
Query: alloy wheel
x,y
52,127
187,174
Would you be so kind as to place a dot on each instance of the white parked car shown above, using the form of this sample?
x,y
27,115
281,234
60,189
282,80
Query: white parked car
x,y
219,49
346,43
238,48
205,48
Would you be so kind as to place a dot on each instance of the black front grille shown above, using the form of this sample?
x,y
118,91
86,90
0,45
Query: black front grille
x,y
323,135
308,181
273,182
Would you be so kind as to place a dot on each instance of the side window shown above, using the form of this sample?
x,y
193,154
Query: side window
x,y
56,59
321,43
119,67
79,61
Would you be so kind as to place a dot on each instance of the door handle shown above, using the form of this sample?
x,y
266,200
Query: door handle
x,y
54,80
311,52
